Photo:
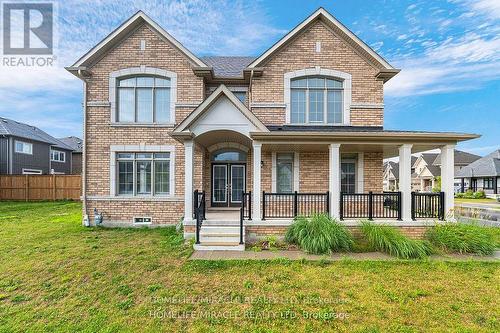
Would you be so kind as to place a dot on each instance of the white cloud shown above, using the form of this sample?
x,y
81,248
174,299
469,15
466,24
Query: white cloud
x,y
46,96
489,8
452,65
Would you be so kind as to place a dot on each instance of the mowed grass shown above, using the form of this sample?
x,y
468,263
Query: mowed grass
x,y
57,276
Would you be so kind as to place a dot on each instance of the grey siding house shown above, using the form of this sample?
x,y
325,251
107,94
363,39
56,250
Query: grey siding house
x,y
483,174
76,156
26,149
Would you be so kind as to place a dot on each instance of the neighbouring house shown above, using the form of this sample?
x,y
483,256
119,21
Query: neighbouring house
x,y
76,155
425,170
391,175
236,147
482,174
26,149
428,168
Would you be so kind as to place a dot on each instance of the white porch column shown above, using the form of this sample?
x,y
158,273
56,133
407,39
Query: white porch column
x,y
405,180
257,158
188,180
447,177
334,179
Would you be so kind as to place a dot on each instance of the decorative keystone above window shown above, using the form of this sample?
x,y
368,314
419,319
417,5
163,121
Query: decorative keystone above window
x,y
317,96
143,95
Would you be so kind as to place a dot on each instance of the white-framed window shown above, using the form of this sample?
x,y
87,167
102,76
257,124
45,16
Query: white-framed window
x,y
316,100
143,173
57,156
317,96
23,147
31,172
348,176
284,172
143,220
241,95
143,99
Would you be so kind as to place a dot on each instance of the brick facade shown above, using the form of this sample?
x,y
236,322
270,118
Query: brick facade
x,y
191,90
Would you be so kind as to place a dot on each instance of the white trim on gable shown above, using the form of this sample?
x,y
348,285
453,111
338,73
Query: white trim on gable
x,y
136,20
212,100
114,76
345,77
321,13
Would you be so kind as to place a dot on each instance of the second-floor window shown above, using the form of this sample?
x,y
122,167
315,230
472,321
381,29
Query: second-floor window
x,y
316,100
57,156
24,147
144,99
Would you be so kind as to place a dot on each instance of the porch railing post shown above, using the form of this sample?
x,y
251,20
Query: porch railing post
x,y
250,205
295,203
263,205
441,207
195,202
242,214
327,202
370,205
400,207
413,206
341,212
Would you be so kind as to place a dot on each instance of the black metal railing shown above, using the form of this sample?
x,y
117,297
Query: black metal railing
x,y
427,205
246,204
290,205
371,205
199,212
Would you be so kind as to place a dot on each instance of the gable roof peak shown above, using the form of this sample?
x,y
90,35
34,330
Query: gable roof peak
x,y
348,35
121,32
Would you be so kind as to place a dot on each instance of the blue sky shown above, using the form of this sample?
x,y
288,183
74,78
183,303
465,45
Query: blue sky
x,y
449,53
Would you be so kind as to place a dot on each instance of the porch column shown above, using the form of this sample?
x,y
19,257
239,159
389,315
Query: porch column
x,y
257,158
405,180
188,180
448,177
334,179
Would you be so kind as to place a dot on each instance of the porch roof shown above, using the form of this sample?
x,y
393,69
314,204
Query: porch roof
x,y
356,139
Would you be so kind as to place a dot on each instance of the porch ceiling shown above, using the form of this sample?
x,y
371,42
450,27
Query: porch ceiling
x,y
388,149
213,137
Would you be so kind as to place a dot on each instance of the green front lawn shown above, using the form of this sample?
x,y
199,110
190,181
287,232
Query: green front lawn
x,y
56,275
487,200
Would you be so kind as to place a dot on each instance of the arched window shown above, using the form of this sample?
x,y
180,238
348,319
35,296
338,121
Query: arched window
x,y
316,100
143,99
229,155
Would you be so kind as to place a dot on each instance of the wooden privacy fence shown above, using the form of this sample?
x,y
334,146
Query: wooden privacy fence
x,y
40,187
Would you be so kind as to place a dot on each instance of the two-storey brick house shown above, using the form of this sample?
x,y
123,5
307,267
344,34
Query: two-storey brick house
x,y
286,132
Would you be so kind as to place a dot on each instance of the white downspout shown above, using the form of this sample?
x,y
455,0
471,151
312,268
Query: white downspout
x,y
86,221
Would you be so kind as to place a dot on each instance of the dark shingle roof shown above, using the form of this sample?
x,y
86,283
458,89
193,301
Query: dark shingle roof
x,y
231,67
461,158
21,130
75,143
307,128
434,170
487,166
429,158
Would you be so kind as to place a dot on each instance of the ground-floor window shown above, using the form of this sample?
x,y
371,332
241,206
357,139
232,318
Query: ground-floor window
x,y
32,172
348,177
284,172
143,173
488,183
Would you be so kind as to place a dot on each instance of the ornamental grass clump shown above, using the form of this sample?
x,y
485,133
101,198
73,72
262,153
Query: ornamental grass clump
x,y
388,239
319,235
462,238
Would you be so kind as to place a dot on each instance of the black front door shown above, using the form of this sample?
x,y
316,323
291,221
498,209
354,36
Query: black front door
x,y
228,184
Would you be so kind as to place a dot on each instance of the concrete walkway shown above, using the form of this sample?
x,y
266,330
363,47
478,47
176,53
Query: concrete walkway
x,y
298,255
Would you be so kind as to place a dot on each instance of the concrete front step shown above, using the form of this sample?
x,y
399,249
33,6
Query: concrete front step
x,y
225,239
220,229
221,223
219,247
